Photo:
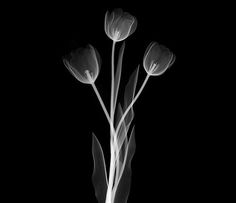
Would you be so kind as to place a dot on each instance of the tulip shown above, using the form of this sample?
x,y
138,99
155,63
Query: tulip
x,y
157,59
119,25
84,64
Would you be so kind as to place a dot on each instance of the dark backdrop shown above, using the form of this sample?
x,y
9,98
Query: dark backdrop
x,y
58,114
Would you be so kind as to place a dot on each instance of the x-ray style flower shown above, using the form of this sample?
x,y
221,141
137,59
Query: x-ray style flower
x,y
84,64
157,59
119,25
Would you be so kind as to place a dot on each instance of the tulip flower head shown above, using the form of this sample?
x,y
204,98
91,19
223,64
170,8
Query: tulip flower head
x,y
84,64
119,25
157,59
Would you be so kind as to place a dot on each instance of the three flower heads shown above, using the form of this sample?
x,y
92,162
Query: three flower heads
x,y
84,64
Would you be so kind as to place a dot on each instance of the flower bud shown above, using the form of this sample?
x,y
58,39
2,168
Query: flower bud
x,y
157,59
119,25
84,64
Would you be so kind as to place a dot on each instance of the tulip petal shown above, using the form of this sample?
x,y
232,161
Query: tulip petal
x,y
75,73
83,61
119,25
157,59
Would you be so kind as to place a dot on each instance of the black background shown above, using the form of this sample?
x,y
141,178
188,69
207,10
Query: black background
x,y
56,114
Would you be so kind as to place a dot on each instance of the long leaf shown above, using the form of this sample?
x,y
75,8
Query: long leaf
x,y
129,94
122,133
118,74
99,171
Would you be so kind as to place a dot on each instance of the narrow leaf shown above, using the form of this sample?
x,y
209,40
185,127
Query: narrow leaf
x,y
118,74
129,95
122,133
99,171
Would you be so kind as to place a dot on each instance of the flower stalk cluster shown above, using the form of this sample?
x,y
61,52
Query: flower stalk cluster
x,y
84,64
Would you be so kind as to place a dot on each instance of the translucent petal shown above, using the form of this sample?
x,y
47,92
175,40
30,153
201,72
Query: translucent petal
x,y
157,59
82,61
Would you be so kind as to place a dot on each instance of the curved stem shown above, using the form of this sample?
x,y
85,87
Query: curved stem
x,y
101,102
132,103
104,108
111,170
